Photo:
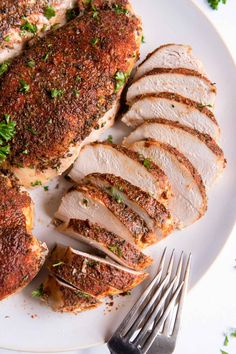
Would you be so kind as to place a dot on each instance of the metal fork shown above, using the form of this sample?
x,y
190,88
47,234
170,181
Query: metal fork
x,y
153,323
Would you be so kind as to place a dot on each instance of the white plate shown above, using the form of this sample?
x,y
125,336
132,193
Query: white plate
x,y
27,325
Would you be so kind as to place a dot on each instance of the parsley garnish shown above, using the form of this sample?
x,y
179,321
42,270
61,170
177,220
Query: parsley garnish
x,y
120,78
29,27
223,352
116,250
82,294
45,57
4,67
233,333
226,341
215,3
112,191
56,93
110,139
58,264
143,39
7,132
31,63
147,163
78,78
120,10
95,12
38,292
77,93
36,183
24,86
49,12
7,38
46,188
204,105
94,41
25,152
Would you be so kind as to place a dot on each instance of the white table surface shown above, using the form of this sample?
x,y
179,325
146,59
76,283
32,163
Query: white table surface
x,y
210,307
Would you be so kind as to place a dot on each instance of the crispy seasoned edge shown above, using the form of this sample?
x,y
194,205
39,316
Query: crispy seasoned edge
x,y
122,248
23,254
62,297
156,210
205,138
178,71
132,221
108,277
180,99
134,24
154,170
187,165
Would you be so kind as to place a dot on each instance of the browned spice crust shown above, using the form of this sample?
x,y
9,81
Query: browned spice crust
x,y
123,249
180,99
80,60
93,277
157,173
132,221
205,138
21,254
156,210
180,71
188,165
63,298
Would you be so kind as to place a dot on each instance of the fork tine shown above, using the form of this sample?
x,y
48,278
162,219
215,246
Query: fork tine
x,y
154,313
155,331
149,307
168,321
182,297
130,318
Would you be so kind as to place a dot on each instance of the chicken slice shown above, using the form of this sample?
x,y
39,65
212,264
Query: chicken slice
x,y
87,202
170,56
185,82
91,274
21,254
109,243
62,297
155,214
189,202
201,150
174,108
121,162
60,89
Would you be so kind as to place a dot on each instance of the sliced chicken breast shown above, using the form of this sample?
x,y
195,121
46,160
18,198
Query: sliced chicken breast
x,y
174,108
155,214
62,297
189,202
109,243
201,150
119,161
170,56
185,82
91,274
87,202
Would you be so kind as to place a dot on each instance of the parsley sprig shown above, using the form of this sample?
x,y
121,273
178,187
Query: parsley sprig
x,y
7,132
121,79
214,4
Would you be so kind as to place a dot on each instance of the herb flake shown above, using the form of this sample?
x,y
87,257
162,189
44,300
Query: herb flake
x,y
29,27
56,93
36,183
58,264
214,4
121,79
38,292
4,67
24,86
116,250
49,12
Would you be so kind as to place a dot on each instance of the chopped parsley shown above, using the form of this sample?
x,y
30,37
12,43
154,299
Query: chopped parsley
x,y
25,152
143,39
94,41
110,139
4,67
226,341
29,27
112,191
7,38
38,292
121,79
223,352
7,132
95,12
214,4
45,57
49,12
24,86
204,105
147,163
58,264
46,188
31,63
116,250
82,294
36,183
56,93
77,93
78,78
120,10
233,333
